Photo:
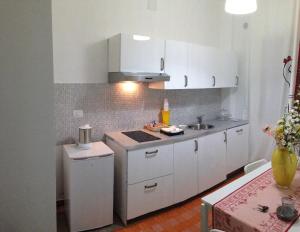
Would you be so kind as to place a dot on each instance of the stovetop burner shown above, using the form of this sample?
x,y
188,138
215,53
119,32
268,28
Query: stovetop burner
x,y
140,136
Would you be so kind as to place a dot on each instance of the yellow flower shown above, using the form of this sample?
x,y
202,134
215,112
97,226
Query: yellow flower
x,y
279,131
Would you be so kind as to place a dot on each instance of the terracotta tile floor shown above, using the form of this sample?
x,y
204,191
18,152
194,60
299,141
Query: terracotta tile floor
x,y
183,217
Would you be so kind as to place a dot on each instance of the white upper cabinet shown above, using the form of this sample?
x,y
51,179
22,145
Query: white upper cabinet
x,y
201,67
176,64
225,70
129,54
192,66
211,67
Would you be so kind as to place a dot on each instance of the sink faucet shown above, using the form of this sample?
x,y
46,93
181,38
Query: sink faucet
x,y
200,119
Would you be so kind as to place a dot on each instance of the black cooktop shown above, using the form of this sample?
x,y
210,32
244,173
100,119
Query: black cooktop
x,y
140,136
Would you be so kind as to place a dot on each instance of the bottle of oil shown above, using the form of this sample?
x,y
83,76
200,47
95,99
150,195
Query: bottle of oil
x,y
165,113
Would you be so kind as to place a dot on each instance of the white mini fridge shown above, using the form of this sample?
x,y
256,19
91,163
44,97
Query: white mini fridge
x,y
88,186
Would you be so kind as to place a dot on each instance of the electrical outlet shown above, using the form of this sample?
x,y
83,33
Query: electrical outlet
x,y
78,113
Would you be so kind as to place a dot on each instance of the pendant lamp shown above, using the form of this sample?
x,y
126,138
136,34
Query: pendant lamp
x,y
240,6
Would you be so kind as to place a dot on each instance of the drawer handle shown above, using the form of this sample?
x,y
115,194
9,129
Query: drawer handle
x,y
240,130
214,81
150,154
237,80
196,145
150,186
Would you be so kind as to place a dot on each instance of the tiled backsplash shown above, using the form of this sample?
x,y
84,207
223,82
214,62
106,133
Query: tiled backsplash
x,y
108,107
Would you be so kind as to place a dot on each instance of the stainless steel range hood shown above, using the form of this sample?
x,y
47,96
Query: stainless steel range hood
x,y
114,77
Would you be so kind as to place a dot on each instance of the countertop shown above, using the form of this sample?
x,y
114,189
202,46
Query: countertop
x,y
98,149
130,144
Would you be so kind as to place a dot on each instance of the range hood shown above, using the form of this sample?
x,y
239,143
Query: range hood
x,y
114,77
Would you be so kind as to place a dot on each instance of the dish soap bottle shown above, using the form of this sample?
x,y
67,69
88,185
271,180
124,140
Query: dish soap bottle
x,y
165,113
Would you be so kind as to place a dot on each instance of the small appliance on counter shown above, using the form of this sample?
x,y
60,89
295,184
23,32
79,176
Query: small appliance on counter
x,y
85,133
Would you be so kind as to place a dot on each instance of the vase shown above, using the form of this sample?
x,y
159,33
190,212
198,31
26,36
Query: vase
x,y
284,166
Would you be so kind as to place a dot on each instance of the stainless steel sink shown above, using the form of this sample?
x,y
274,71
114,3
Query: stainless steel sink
x,y
199,126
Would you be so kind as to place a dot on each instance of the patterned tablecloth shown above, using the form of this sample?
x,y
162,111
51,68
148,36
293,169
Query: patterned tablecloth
x,y
238,212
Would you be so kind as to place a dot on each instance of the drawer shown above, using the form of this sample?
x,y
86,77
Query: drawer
x,y
148,196
146,164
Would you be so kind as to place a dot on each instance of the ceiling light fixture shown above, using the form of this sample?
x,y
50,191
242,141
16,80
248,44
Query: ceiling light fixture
x,y
240,6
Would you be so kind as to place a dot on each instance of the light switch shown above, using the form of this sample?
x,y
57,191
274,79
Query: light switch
x,y
78,113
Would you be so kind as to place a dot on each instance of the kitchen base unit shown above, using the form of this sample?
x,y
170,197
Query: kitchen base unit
x,y
88,185
143,180
156,174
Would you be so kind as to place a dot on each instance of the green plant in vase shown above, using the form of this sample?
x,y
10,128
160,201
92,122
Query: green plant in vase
x,y
287,137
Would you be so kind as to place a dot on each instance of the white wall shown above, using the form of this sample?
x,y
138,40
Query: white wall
x,y
80,30
27,164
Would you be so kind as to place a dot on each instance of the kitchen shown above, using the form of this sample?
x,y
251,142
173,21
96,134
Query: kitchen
x,y
169,98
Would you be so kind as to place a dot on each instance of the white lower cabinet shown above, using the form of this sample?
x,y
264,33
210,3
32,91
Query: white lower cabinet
x,y
185,170
211,160
156,177
149,196
237,148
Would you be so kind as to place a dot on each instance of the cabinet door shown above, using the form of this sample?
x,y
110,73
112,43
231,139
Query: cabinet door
x,y
211,160
141,55
91,191
185,170
201,67
226,69
237,148
176,64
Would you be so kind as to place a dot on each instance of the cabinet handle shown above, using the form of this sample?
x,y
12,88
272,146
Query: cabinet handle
x,y
214,81
185,80
162,64
237,80
196,145
150,186
239,131
225,137
150,154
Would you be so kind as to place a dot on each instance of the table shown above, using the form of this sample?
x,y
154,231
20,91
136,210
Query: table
x,y
213,198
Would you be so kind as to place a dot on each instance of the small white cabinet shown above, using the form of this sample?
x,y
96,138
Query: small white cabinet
x,y
185,170
237,148
127,54
88,186
144,179
211,160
